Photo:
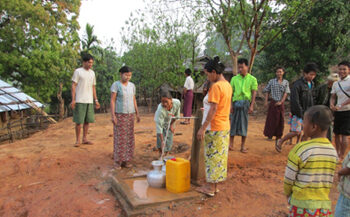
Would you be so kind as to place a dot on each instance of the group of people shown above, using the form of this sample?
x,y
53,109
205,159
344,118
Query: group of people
x,y
226,106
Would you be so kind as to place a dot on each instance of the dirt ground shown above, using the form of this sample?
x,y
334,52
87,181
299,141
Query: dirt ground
x,y
45,176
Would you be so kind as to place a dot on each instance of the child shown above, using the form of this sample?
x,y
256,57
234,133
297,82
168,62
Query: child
x,y
310,168
301,98
343,205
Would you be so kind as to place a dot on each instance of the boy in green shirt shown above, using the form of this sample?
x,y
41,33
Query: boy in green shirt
x,y
244,86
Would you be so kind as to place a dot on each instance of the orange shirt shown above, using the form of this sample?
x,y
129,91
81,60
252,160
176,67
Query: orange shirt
x,y
221,93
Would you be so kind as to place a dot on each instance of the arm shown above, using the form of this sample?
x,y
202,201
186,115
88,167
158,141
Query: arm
x,y
345,103
332,101
290,174
284,97
74,85
136,110
251,107
266,99
95,97
113,97
210,116
344,171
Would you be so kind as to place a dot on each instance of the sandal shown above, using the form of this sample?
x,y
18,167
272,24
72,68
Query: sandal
x,y
278,147
87,143
205,191
244,150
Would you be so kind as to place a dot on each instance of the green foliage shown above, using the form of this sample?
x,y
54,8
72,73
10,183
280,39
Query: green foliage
x,y
320,36
38,44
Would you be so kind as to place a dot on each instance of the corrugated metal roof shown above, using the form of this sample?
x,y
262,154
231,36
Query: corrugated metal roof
x,y
12,98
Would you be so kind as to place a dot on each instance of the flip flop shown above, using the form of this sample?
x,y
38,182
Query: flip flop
x,y
208,193
77,145
244,151
278,147
87,143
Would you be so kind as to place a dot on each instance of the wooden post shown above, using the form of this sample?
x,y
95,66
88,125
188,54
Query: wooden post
x,y
197,152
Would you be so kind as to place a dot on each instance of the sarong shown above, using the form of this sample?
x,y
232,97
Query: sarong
x,y
215,155
274,124
188,103
239,119
124,140
301,212
342,123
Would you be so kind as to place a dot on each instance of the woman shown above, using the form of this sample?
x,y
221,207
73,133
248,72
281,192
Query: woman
x,y
188,96
168,108
123,109
278,89
341,93
217,138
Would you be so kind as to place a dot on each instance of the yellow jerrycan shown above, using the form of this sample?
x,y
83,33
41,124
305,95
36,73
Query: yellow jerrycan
x,y
178,175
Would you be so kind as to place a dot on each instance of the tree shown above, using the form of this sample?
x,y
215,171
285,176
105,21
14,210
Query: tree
x,y
320,36
39,45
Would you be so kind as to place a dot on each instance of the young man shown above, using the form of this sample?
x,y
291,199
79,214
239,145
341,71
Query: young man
x,y
341,92
301,98
311,165
244,86
83,97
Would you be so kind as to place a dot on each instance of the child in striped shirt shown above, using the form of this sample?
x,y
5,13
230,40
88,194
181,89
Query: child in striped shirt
x,y
311,166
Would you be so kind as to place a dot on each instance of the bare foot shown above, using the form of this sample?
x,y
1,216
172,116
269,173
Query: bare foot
x,y
86,142
230,148
77,144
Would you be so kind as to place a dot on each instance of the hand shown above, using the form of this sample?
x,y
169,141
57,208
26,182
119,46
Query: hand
x,y
138,119
97,105
172,129
200,134
72,105
278,103
114,120
251,109
333,108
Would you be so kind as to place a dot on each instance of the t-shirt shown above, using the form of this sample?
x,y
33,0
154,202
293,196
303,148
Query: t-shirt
x,y
206,108
85,79
125,97
221,93
344,184
242,87
341,97
189,84
309,174
162,116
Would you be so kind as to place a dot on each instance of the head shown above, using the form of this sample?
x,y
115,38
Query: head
x,y
166,99
332,78
280,72
317,120
125,74
214,69
310,70
88,61
243,66
343,69
188,72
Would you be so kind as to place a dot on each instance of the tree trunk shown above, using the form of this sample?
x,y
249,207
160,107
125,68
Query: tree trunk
x,y
235,64
252,59
61,102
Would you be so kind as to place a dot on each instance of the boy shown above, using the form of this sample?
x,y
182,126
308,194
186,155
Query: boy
x,y
244,86
343,205
310,167
301,98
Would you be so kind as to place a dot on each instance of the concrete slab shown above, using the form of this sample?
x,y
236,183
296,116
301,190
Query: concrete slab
x,y
137,197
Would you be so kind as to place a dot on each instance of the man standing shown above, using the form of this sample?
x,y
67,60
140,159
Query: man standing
x,y
244,87
83,96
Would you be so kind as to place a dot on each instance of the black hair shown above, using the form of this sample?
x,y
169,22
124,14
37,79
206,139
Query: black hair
x,y
243,61
215,64
280,67
87,57
165,93
310,67
320,115
188,72
125,69
344,63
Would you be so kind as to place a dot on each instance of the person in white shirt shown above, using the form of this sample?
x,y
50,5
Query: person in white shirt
x,y
188,96
83,96
341,92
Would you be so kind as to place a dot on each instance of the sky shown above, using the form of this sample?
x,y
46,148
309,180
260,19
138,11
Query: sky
x,y
107,16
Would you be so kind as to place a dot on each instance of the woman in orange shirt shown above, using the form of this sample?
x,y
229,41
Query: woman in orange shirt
x,y
216,138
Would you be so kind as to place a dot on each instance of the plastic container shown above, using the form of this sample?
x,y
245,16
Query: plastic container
x,y
178,175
